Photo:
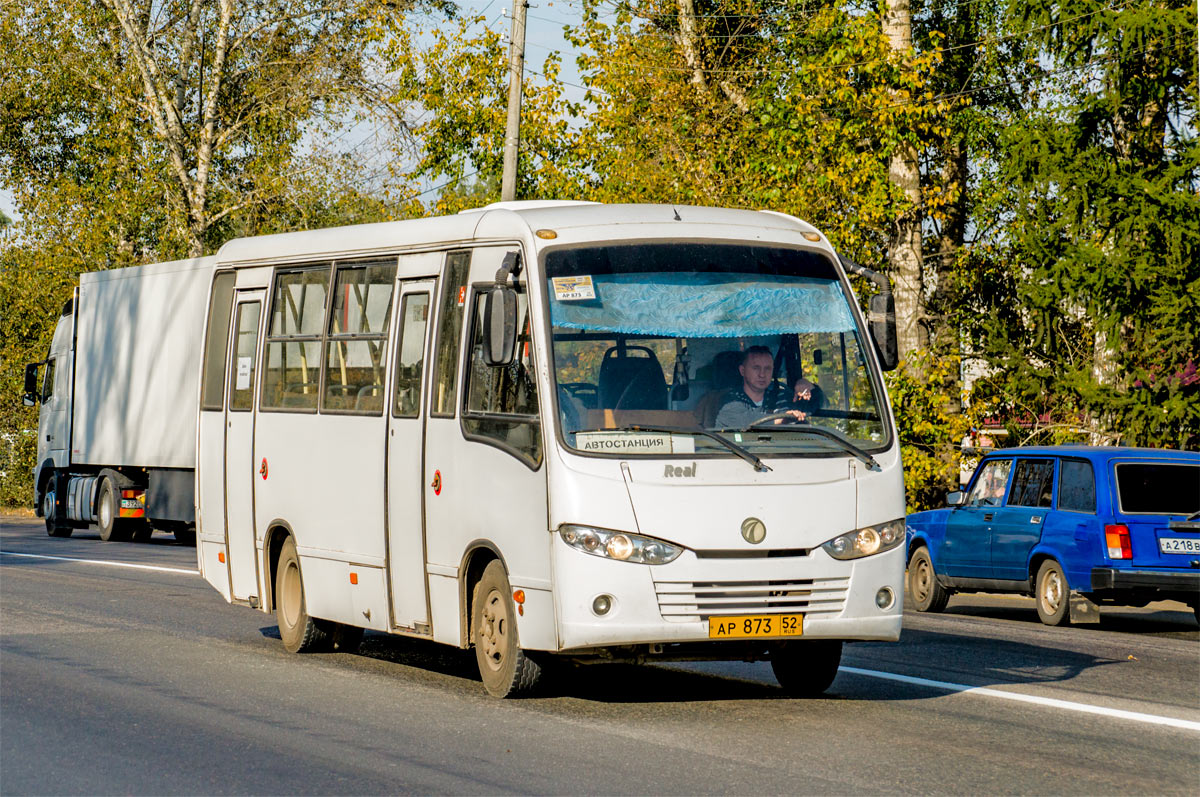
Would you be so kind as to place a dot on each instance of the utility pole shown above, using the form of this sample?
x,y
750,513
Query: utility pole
x,y
512,131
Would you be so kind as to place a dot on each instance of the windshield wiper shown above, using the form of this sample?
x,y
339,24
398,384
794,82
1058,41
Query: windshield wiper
x,y
758,464
757,426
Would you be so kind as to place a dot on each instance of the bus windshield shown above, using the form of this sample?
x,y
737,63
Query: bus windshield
x,y
687,348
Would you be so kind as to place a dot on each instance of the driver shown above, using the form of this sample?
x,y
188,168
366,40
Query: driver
x,y
744,405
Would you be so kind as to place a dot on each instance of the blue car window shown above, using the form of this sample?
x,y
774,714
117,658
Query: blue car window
x,y
1077,486
1033,483
988,489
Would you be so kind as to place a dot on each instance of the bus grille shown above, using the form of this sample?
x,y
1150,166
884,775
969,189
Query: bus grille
x,y
683,601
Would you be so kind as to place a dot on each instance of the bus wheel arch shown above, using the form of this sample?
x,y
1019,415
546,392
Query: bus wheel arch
x,y
277,532
478,556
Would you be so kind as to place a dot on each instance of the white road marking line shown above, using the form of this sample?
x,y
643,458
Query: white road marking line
x,y
104,562
1068,705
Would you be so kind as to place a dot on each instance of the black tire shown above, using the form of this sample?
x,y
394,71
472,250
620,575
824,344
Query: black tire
x,y
806,669
108,514
299,632
142,531
186,536
1052,594
54,523
923,587
506,670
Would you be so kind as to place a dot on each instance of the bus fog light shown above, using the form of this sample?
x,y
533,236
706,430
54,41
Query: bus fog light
x,y
602,605
884,598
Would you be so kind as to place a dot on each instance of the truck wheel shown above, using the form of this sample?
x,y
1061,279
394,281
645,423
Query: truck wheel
x,y
142,532
186,536
299,632
108,514
923,587
1052,593
806,669
505,669
54,525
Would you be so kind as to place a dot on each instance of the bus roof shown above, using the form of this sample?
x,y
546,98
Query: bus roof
x,y
499,220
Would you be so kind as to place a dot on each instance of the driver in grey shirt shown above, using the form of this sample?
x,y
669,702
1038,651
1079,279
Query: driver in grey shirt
x,y
744,405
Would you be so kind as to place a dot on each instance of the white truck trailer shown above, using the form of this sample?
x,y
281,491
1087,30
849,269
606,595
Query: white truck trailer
x,y
118,397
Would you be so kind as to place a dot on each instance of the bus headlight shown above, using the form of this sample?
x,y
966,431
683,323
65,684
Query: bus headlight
x,y
866,541
619,545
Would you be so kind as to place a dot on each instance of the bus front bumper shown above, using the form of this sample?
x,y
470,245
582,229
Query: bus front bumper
x,y
671,603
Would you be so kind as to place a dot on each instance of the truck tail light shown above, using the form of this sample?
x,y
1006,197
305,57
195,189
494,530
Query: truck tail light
x,y
1117,538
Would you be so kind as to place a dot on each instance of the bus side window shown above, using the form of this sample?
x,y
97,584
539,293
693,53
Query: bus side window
x,y
450,324
292,375
216,341
357,338
501,403
414,315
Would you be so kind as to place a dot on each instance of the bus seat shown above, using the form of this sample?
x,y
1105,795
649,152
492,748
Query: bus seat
x,y
369,399
631,383
723,377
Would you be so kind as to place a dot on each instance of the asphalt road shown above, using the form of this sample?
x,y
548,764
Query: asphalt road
x,y
139,681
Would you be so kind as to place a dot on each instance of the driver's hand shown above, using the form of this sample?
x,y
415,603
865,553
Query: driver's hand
x,y
797,414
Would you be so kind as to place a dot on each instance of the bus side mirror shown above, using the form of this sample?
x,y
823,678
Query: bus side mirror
x,y
955,498
500,326
883,329
32,395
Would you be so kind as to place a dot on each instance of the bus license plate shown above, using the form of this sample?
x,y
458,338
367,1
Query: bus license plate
x,y
1178,545
762,625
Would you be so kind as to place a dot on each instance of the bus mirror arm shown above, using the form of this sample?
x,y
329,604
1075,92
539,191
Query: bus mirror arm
x,y
882,315
32,395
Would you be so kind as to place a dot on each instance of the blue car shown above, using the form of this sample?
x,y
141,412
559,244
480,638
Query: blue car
x,y
1073,526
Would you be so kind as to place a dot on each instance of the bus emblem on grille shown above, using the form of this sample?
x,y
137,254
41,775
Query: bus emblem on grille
x,y
753,530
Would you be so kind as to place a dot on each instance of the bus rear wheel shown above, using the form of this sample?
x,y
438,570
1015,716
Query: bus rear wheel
x,y
299,632
806,669
506,670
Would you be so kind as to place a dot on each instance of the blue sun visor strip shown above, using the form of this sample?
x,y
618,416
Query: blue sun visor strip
x,y
705,305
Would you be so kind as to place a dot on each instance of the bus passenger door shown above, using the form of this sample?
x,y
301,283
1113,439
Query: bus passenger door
x,y
240,469
405,454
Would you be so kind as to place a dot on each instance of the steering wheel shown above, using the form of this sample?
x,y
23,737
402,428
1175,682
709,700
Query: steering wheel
x,y
785,416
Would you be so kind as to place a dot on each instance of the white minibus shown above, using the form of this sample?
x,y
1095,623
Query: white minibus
x,y
555,431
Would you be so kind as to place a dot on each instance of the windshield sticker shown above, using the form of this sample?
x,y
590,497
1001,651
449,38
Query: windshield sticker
x,y
574,289
619,442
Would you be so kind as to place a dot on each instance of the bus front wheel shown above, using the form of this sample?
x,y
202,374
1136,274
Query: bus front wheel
x,y
806,669
505,669
299,632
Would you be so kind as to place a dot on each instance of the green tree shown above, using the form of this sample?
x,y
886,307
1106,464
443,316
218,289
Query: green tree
x,y
1083,302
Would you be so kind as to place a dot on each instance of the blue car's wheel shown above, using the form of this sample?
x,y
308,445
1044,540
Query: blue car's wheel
x,y
923,587
1053,595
